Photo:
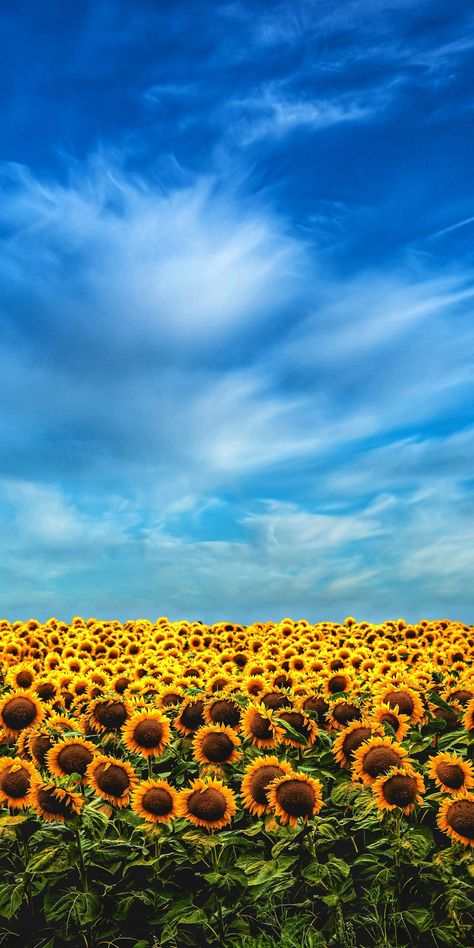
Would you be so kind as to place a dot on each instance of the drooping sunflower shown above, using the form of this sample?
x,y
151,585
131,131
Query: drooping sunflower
x,y
216,744
53,803
156,801
207,803
20,710
147,733
301,723
317,705
450,772
400,788
70,756
191,716
107,714
258,776
456,818
295,796
376,757
393,716
15,780
351,738
112,779
260,728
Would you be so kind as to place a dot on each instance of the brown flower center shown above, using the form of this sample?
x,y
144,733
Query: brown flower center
x,y
121,685
379,760
337,683
46,691
158,801
24,678
110,714
259,782
112,779
19,713
261,727
296,797
74,759
208,804
148,733
217,747
15,783
460,818
171,699
452,775
354,739
450,717
319,706
274,700
390,719
54,805
402,699
225,712
344,712
400,790
462,696
192,715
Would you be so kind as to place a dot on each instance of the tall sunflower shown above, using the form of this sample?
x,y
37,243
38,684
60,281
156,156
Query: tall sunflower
x,y
376,757
450,772
400,788
15,780
456,818
147,733
155,800
216,744
259,727
112,779
70,756
258,776
53,803
295,796
19,711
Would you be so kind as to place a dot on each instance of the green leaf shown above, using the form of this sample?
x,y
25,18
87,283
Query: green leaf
x,y
76,908
420,918
11,897
344,793
53,859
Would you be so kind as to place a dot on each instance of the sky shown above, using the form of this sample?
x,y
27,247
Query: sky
x,y
236,309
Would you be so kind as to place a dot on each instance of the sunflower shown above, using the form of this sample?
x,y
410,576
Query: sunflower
x,y
317,705
399,788
393,716
147,733
222,709
15,779
376,757
191,716
39,742
21,676
338,682
170,697
456,818
295,796
156,801
302,724
20,710
253,686
207,803
112,779
351,738
405,698
53,803
108,714
259,727
70,756
450,772
216,744
342,712
258,776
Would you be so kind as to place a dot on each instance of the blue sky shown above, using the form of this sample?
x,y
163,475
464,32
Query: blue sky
x,y
236,291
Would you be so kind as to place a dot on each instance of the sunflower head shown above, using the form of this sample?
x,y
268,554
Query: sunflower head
x,y
295,796
222,709
19,711
385,713
191,716
216,744
451,773
342,712
376,757
53,803
147,733
258,776
301,723
400,788
108,714
456,818
112,779
15,780
260,728
351,738
208,803
156,801
70,756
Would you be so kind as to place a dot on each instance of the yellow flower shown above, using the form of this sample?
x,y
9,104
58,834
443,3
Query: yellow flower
x,y
207,803
147,733
456,818
400,788
258,776
450,772
156,801
295,796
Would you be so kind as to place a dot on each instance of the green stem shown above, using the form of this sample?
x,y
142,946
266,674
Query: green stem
x,y
215,866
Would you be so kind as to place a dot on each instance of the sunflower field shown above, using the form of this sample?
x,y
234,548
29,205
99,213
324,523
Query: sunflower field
x,y
177,784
